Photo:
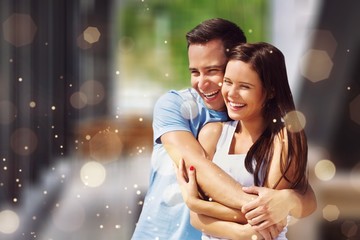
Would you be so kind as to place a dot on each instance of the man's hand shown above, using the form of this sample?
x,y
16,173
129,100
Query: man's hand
x,y
273,231
269,208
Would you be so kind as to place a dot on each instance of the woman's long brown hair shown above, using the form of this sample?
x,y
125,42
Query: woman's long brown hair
x,y
269,63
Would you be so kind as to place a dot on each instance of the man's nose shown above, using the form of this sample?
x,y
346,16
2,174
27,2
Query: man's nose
x,y
203,81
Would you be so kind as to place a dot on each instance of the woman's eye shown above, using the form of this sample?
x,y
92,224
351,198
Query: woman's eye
x,y
227,82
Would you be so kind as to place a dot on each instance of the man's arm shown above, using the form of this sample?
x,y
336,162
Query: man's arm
x,y
299,204
213,181
223,229
270,205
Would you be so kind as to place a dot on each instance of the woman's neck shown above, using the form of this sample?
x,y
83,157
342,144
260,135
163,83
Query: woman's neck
x,y
251,129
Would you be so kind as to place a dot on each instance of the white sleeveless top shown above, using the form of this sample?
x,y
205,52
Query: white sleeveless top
x,y
234,165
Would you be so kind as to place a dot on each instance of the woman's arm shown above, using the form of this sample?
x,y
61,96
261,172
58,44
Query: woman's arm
x,y
223,229
230,225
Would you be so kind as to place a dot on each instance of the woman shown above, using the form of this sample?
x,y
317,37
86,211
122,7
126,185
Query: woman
x,y
259,147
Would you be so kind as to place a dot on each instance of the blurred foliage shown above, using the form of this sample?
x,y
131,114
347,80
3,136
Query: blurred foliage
x,y
151,34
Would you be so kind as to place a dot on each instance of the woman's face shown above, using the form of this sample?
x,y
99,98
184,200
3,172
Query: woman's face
x,y
243,92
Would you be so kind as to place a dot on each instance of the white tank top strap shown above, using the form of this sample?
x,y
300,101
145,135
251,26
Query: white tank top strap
x,y
224,142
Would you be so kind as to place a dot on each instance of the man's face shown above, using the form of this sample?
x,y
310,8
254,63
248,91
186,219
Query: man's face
x,y
207,64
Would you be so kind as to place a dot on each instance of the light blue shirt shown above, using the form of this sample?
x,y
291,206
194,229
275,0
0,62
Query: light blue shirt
x,y
164,215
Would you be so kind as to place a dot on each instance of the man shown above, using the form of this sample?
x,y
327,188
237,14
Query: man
x,y
178,117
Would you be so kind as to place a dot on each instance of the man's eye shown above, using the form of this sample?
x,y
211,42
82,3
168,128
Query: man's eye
x,y
213,71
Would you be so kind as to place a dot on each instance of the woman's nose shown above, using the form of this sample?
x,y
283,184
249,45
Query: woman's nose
x,y
232,92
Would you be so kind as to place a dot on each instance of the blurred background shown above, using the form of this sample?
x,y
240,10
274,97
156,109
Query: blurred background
x,y
78,81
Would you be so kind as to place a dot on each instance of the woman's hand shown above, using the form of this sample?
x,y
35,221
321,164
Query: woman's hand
x,y
187,182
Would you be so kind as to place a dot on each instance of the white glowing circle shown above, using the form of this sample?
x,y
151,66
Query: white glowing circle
x,y
325,170
189,109
294,121
254,237
331,212
9,221
93,174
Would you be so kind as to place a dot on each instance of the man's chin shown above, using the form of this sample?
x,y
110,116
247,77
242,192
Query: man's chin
x,y
215,107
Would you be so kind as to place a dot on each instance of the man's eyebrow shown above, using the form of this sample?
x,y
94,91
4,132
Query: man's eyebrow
x,y
209,67
216,66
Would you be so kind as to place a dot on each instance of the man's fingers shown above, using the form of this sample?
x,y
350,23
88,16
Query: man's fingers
x,y
251,190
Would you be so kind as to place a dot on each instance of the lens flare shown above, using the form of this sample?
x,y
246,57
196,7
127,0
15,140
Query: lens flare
x,y
189,110
9,221
325,170
294,121
93,174
331,212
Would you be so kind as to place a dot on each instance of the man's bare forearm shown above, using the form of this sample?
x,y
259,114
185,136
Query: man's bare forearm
x,y
217,184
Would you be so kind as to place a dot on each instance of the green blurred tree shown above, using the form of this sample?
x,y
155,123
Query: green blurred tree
x,y
151,34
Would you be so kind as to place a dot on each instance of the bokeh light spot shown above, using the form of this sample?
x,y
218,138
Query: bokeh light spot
x,y
24,141
32,104
294,121
9,221
78,100
355,109
82,43
324,40
189,110
91,35
325,170
94,91
316,65
105,145
19,29
331,212
92,174
349,228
